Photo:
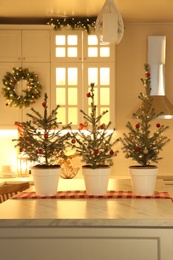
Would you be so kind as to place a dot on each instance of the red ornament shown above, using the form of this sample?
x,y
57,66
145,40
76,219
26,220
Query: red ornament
x,y
40,151
6,104
136,149
157,125
137,125
46,136
73,141
88,94
111,152
96,152
102,126
44,104
147,74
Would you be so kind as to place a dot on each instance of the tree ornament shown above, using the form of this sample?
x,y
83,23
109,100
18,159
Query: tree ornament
x,y
136,149
96,152
147,74
85,123
111,152
145,151
44,104
137,125
157,125
102,126
45,135
73,141
88,94
40,151
32,91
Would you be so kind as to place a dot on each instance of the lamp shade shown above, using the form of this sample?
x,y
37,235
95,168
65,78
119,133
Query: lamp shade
x,y
109,24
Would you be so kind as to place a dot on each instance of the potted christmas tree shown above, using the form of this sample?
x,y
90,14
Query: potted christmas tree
x,y
43,142
144,142
94,142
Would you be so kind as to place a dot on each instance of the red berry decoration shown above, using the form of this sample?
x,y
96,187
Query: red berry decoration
x,y
102,126
96,152
157,125
137,149
88,94
46,136
147,74
44,104
40,151
137,125
6,104
73,141
111,152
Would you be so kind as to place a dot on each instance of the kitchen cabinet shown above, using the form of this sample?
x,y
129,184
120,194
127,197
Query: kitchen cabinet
x,y
27,49
24,46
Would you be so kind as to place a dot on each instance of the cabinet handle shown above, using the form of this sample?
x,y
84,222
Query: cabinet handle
x,y
18,58
23,58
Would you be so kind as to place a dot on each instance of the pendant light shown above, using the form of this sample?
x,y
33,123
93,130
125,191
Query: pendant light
x,y
109,24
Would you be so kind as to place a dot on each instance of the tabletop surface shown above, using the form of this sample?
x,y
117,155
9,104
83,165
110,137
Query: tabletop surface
x,y
130,212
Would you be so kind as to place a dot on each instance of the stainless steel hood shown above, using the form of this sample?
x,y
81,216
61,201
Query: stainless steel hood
x,y
156,61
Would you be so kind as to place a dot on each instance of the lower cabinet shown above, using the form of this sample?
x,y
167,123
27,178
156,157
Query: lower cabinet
x,y
76,243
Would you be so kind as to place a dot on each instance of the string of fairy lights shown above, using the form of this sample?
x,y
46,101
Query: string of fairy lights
x,y
75,23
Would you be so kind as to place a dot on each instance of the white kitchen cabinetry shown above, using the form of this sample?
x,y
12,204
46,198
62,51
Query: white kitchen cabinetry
x,y
27,49
24,46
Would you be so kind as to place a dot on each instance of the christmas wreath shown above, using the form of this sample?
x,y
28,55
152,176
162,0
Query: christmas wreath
x,y
31,93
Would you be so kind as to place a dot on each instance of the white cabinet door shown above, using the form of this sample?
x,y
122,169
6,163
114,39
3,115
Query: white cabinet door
x,y
35,46
24,46
10,45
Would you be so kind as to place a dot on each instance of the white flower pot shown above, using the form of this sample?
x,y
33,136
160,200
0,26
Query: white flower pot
x,y
46,180
143,179
96,180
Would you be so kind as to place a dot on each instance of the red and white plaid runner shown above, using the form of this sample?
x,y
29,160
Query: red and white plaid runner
x,y
83,195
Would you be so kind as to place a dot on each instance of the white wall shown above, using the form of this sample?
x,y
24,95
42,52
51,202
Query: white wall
x,y
131,54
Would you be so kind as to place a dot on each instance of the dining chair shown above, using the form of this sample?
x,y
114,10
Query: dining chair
x,y
9,190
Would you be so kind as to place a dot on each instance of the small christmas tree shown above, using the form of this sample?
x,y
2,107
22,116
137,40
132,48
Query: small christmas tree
x,y
140,144
40,138
94,145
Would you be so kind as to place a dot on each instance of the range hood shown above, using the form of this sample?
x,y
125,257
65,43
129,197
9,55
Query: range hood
x,y
156,61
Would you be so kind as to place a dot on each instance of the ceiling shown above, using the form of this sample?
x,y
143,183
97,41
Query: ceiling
x,y
131,10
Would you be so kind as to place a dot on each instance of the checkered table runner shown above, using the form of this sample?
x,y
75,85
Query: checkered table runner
x,y
83,195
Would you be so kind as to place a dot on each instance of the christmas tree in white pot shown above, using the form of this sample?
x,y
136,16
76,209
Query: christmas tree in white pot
x,y
144,142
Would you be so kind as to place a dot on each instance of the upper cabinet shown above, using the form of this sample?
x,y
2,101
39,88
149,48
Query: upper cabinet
x,y
24,46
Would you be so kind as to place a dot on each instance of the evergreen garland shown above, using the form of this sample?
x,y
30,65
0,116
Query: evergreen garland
x,y
140,144
40,138
75,23
95,144
31,93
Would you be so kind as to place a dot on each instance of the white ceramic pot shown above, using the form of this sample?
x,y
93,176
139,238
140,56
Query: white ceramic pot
x,y
96,180
46,180
143,179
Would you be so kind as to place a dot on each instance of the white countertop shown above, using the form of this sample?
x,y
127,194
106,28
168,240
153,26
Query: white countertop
x,y
89,212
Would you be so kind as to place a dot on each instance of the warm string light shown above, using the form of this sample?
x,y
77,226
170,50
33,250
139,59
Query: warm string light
x,y
85,23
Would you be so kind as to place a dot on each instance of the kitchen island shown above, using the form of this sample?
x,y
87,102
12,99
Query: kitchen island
x,y
87,229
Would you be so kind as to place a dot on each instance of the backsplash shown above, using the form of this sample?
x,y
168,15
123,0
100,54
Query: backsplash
x,y
8,153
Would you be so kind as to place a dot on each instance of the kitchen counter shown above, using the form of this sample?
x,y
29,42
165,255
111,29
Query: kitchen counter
x,y
74,223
